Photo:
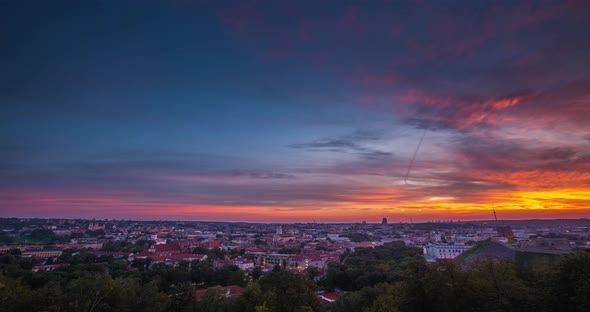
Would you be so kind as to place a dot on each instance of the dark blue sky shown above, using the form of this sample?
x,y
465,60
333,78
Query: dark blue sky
x,y
294,111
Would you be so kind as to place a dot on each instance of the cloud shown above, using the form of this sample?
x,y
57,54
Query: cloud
x,y
501,90
356,143
231,174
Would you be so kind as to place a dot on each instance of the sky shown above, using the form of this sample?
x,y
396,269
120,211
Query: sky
x,y
295,111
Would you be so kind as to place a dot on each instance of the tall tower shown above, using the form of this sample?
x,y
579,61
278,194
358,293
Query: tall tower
x,y
384,221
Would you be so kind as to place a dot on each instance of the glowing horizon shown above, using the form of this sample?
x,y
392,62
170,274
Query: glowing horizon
x,y
264,111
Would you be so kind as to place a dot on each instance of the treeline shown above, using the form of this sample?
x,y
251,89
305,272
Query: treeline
x,y
87,282
392,277
36,236
94,287
45,237
370,266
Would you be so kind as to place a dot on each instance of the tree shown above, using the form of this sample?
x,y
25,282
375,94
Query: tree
x,y
312,272
200,251
228,275
287,291
159,266
6,239
256,273
51,297
184,265
496,283
14,252
262,308
250,298
117,268
143,242
141,263
569,282
88,293
42,234
14,296
95,233
213,300
219,253
126,294
181,295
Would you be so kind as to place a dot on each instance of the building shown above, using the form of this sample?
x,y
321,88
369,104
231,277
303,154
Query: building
x,y
444,250
169,254
221,263
264,258
303,262
243,263
283,237
174,259
210,244
165,249
42,253
384,221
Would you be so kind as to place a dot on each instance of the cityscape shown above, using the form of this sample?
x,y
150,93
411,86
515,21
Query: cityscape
x,y
247,251
294,155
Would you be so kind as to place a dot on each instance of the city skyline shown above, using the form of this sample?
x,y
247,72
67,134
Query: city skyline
x,y
291,111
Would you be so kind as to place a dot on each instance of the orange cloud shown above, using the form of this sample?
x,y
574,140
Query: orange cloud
x,y
536,178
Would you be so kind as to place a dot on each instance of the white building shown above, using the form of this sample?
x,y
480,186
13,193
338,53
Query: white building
x,y
269,259
243,264
305,261
444,250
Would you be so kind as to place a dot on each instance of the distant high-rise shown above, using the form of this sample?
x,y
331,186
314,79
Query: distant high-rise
x,y
384,221
279,230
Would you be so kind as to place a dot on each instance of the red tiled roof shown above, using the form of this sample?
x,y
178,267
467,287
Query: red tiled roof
x,y
167,247
158,258
252,249
143,255
213,244
329,296
296,258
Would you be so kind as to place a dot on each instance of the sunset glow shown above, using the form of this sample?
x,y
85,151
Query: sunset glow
x,y
288,111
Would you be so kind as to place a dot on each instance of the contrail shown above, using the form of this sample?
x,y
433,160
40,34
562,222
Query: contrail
x,y
414,157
